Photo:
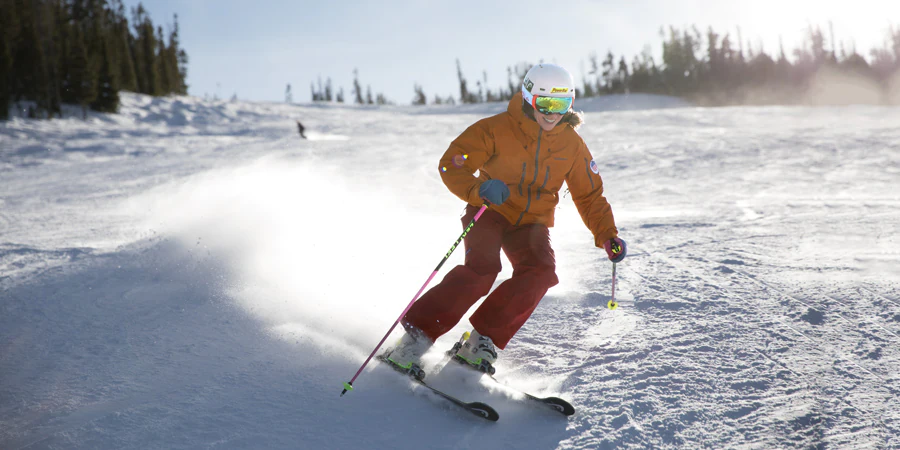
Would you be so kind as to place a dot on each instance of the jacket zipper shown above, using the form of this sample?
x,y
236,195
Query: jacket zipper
x,y
522,179
537,155
546,178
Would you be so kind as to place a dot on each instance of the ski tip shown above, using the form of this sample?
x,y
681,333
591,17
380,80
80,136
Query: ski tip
x,y
563,407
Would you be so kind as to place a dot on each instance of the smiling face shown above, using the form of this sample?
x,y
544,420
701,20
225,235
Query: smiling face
x,y
547,121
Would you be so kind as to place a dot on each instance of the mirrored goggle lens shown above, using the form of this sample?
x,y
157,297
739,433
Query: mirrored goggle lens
x,y
552,105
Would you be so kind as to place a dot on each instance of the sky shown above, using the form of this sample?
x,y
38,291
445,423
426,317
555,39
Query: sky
x,y
254,49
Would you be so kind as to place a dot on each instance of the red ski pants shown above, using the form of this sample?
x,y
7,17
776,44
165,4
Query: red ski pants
x,y
507,308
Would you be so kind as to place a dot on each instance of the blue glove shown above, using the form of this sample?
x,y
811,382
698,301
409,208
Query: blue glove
x,y
615,249
494,191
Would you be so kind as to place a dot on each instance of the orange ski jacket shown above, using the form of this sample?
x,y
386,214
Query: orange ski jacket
x,y
533,163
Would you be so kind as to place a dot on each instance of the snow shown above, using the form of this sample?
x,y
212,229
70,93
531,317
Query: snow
x,y
191,274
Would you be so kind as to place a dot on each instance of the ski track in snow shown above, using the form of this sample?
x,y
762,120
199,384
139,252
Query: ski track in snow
x,y
191,274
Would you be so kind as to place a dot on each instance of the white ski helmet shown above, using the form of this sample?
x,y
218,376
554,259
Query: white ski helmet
x,y
547,80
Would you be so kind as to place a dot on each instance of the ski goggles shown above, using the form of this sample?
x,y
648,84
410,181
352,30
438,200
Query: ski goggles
x,y
549,105
552,105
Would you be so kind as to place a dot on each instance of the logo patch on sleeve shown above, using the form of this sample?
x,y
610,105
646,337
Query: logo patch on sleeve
x,y
594,168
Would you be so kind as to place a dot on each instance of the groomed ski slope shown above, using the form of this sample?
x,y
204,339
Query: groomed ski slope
x,y
190,274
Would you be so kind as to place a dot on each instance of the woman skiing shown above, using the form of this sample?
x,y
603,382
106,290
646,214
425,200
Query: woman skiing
x,y
522,157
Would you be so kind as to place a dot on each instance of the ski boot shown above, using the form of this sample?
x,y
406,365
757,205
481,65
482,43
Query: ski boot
x,y
476,351
405,356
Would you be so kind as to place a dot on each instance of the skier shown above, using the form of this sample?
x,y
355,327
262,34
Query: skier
x,y
523,156
300,129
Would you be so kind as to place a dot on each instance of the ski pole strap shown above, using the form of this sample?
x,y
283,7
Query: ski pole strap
x,y
348,386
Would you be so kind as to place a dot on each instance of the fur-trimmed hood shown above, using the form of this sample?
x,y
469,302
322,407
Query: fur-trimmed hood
x,y
573,118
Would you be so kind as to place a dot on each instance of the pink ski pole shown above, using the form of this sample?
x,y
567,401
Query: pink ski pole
x,y
612,300
348,386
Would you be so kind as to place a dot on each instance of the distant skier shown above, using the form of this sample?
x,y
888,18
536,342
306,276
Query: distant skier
x,y
300,129
532,148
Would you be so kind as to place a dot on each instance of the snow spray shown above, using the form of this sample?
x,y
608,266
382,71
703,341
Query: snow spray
x,y
348,386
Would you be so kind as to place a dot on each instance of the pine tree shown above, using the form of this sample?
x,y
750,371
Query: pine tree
x,y
895,41
762,70
176,61
30,77
53,17
482,89
714,72
182,70
596,73
622,76
641,75
80,73
783,67
419,98
511,82
357,89
122,43
166,79
145,46
464,95
9,30
67,31
609,73
137,49
5,69
107,85
884,61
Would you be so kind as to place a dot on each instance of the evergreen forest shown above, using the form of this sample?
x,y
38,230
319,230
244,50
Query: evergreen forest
x,y
84,52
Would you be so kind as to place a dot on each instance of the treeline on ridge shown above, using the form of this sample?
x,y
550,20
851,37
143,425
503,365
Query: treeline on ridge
x,y
712,69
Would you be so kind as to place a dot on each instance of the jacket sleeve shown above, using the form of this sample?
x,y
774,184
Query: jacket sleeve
x,y
586,187
467,154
